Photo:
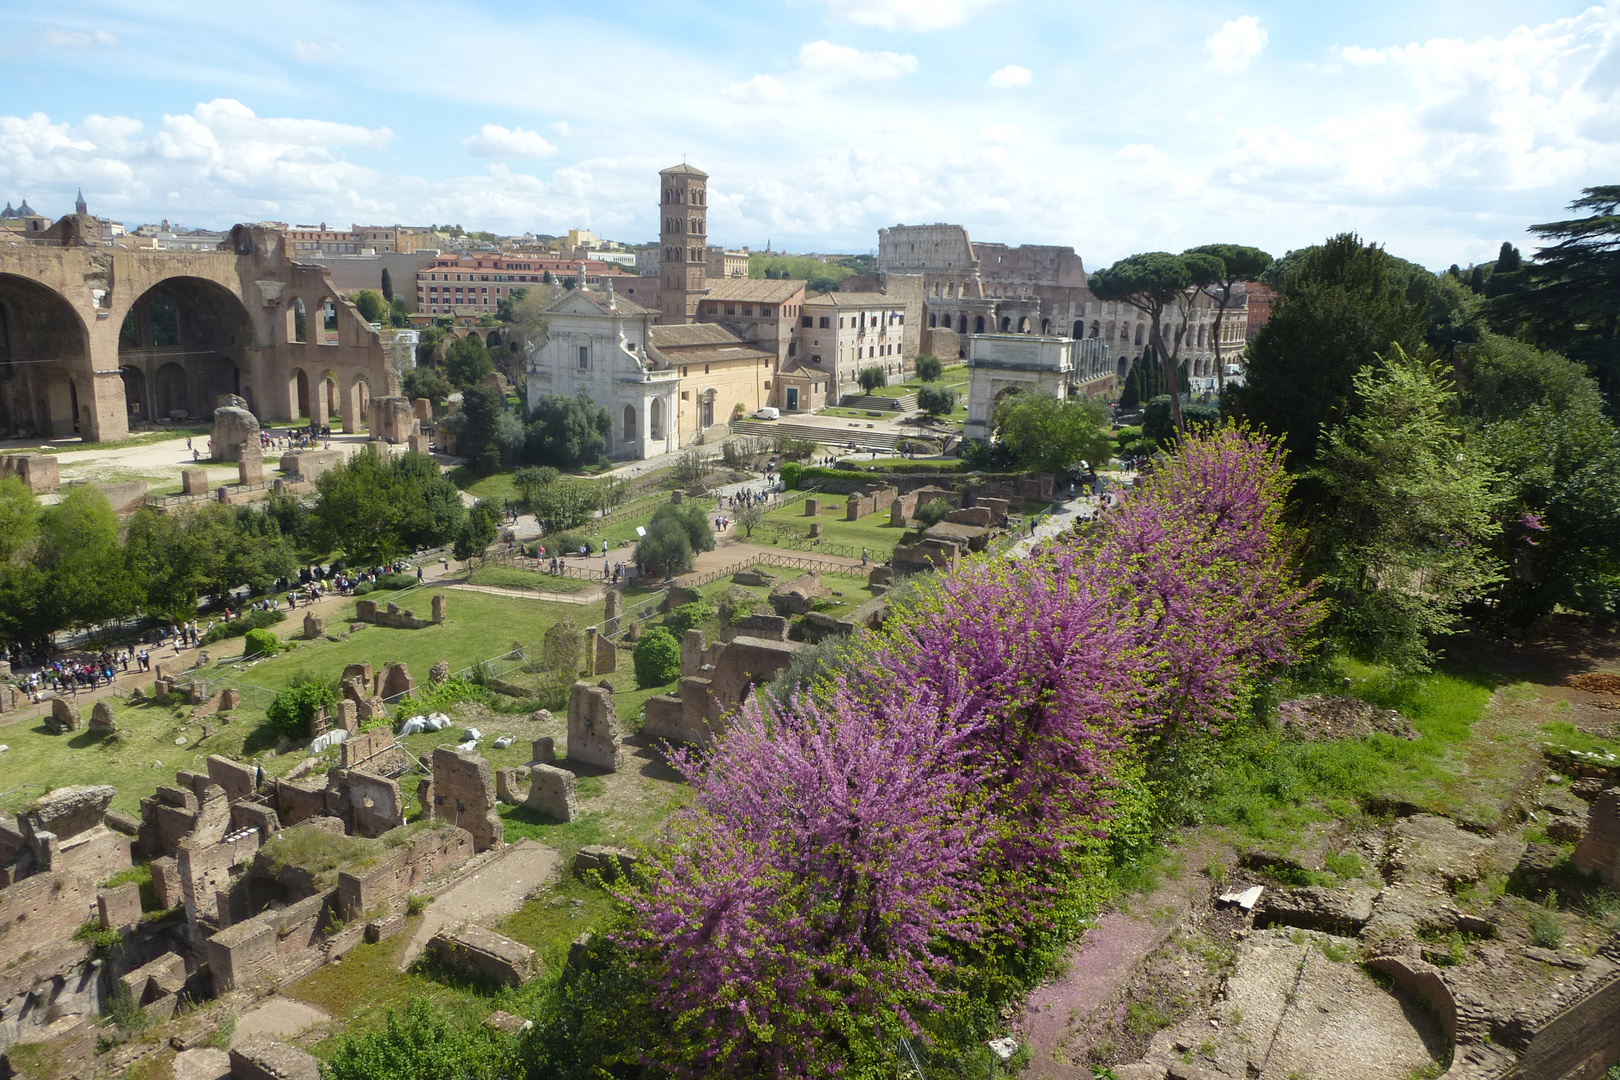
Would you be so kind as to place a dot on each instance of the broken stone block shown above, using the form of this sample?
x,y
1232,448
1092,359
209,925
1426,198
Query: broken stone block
x,y
545,748
482,953
119,908
593,728
229,698
439,672
396,681
314,626
1336,911
260,1057
63,717
605,860
553,792
509,783
101,717
462,790
438,607
1599,849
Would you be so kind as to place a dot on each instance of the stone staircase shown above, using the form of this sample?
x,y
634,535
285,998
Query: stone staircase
x,y
905,403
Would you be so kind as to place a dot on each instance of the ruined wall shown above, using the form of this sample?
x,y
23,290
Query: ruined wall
x,y
463,793
40,910
428,854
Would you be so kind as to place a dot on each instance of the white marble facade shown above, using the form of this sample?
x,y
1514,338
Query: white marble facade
x,y
601,344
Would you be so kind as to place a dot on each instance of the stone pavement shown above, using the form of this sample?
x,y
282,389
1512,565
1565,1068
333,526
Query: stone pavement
x,y
498,888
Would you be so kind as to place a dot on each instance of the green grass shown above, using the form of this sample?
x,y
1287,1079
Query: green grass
x,y
1267,788
859,413
144,754
872,532
496,486
515,577
954,375
1563,736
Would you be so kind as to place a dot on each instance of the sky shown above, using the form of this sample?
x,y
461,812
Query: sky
x,y
1437,128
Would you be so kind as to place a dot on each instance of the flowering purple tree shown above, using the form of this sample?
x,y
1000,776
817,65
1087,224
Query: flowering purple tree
x,y
842,849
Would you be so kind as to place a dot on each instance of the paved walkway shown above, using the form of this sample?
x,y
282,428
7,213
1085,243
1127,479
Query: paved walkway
x,y
497,889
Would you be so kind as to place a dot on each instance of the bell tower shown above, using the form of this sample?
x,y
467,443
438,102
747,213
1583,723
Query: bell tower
x,y
683,238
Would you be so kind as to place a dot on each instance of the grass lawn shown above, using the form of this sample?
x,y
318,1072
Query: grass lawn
x,y
145,753
1267,788
859,413
494,486
872,532
622,533
515,577
955,376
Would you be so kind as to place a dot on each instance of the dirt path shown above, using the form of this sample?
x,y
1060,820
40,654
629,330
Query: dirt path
x,y
1101,965
497,889
280,1017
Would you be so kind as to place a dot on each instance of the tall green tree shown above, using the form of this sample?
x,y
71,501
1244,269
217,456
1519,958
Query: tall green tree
x,y
87,581
387,286
467,362
1540,418
1041,432
1339,307
374,510
479,531
1239,264
1568,297
24,613
1163,287
566,432
1403,539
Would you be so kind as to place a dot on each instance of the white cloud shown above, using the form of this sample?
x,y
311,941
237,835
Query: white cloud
x,y
1235,45
562,129
1010,76
919,15
317,52
77,39
493,140
1529,110
824,56
1001,133
760,90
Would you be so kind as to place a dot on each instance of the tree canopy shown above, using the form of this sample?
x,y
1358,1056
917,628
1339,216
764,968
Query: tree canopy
x,y
1239,264
1339,307
566,432
1041,432
1158,283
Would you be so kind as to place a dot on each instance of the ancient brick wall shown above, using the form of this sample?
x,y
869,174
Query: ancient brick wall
x,y
428,854
463,793
40,910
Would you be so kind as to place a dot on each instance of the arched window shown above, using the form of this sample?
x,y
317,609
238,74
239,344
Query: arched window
x,y
978,324
1139,333
1079,330
1006,324
630,433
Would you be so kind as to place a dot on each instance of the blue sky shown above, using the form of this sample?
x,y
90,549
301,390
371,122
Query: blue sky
x,y
1437,128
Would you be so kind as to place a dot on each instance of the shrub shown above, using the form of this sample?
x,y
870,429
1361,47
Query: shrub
x,y
423,1043
690,616
253,620
293,708
657,658
261,643
365,587
790,474
934,511
664,551
1545,930
438,697
570,542
397,581
936,400
929,369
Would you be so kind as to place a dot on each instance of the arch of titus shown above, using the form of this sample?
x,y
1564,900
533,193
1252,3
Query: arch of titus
x,y
94,338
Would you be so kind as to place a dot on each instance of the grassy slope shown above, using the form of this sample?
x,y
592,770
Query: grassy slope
x,y
872,531
478,626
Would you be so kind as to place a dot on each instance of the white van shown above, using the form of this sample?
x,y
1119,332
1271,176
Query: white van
x,y
769,412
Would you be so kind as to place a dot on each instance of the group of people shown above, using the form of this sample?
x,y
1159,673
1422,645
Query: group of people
x,y
294,438
84,673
